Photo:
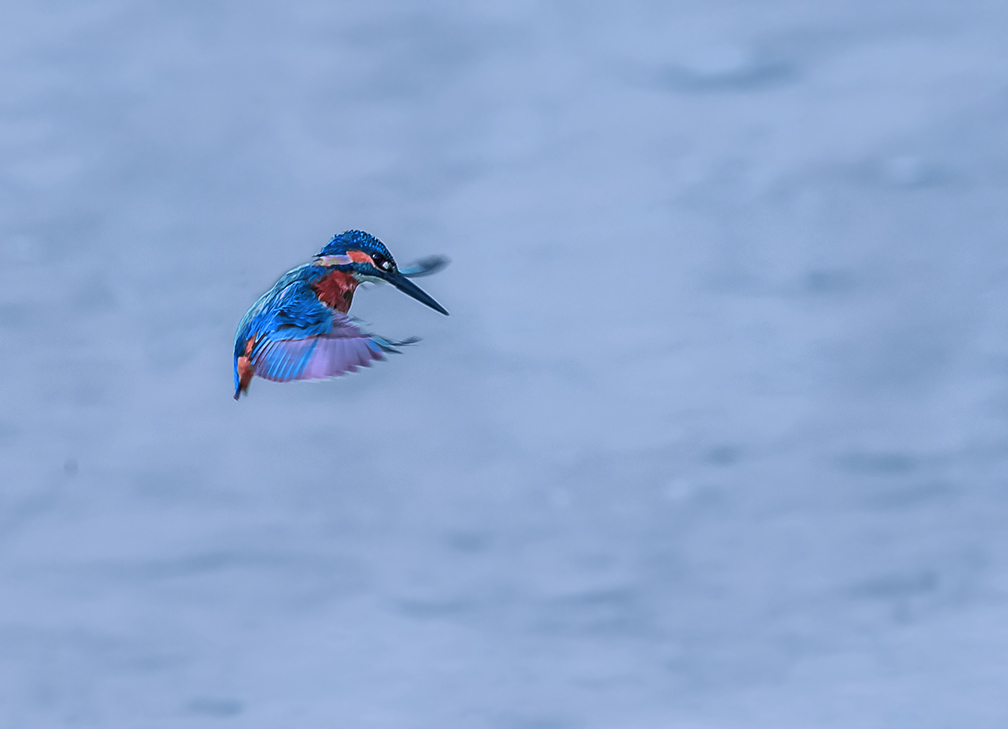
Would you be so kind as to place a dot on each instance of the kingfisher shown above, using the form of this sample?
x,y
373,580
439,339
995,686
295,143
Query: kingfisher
x,y
300,329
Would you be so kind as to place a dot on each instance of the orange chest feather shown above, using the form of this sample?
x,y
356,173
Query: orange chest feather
x,y
336,290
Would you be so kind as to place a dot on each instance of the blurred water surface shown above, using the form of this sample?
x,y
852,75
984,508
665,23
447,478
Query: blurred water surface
x,y
716,435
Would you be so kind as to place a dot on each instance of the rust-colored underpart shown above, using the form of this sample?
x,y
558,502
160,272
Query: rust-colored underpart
x,y
336,290
245,371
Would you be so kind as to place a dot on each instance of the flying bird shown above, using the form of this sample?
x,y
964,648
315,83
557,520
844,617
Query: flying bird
x,y
300,330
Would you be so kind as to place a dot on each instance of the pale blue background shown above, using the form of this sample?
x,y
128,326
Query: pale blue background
x,y
716,436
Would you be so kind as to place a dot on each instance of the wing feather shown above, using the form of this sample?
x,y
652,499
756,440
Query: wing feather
x,y
342,349
288,334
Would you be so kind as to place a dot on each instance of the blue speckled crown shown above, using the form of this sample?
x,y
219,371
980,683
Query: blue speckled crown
x,y
355,240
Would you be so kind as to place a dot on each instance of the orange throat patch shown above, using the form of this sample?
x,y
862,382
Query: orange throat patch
x,y
336,290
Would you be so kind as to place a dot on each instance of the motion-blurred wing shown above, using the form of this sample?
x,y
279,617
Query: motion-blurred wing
x,y
281,357
424,267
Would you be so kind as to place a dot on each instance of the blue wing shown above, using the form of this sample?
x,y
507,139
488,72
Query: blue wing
x,y
424,267
290,335
281,357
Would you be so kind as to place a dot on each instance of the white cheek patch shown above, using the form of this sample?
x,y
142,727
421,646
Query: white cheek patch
x,y
333,260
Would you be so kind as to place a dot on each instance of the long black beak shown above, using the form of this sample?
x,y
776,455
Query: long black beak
x,y
408,287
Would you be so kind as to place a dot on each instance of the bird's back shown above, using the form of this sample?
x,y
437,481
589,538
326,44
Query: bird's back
x,y
262,315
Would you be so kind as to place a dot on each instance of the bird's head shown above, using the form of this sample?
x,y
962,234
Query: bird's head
x,y
367,259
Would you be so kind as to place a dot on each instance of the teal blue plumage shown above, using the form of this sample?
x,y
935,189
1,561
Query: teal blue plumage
x,y
299,329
